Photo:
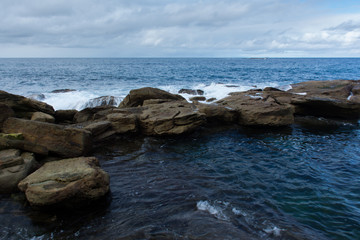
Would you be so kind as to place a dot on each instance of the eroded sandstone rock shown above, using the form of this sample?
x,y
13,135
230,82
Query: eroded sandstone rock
x,y
258,108
170,118
62,141
66,182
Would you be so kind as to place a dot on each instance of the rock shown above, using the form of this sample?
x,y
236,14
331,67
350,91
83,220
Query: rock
x,y
267,89
66,142
194,99
256,108
103,101
98,127
211,100
101,131
38,97
14,167
67,182
63,90
24,107
88,114
42,117
170,118
6,112
123,122
217,114
12,136
138,96
192,91
65,116
336,98
7,142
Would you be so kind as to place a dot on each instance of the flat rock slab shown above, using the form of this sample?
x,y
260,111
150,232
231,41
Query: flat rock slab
x,y
65,142
258,108
335,98
169,118
66,182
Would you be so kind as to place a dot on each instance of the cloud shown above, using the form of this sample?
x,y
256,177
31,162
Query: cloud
x,y
119,28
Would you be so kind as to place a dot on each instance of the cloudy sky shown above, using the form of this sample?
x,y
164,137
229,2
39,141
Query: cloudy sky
x,y
174,28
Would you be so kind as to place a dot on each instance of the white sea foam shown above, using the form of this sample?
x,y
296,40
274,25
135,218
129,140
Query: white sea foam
x,y
68,100
274,230
238,212
214,210
301,94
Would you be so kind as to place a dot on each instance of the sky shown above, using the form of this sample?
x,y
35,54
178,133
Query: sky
x,y
174,28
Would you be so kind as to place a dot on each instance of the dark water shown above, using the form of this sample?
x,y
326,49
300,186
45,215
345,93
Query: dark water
x,y
300,182
233,183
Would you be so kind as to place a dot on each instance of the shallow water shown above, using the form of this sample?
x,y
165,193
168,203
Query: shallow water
x,y
230,183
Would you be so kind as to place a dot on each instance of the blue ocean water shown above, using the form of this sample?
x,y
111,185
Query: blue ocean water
x,y
299,182
116,77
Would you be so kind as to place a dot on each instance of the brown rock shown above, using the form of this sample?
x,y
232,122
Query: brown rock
x,y
63,90
193,99
138,96
66,116
98,128
42,117
257,108
336,98
123,122
24,107
9,143
217,114
14,167
170,118
89,114
192,91
66,142
66,182
6,112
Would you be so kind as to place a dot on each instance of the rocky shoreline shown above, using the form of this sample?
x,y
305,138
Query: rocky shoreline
x,y
47,154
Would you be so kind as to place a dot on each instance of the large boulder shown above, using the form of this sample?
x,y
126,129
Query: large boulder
x,y
169,117
138,96
14,167
57,139
258,108
24,107
336,98
67,182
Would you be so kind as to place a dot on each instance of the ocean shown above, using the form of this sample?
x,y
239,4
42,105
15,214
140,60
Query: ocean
x,y
224,182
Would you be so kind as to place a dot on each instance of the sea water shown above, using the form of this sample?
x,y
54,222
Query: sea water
x,y
298,182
